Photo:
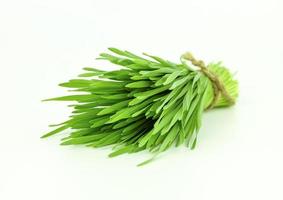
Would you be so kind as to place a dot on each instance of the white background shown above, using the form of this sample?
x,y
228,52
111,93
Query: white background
x,y
239,153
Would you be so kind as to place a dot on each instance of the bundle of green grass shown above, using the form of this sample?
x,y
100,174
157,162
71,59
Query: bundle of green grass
x,y
148,104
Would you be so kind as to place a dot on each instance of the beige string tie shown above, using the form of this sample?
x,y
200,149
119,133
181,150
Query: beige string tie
x,y
218,86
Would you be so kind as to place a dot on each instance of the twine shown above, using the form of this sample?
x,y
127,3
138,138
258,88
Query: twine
x,y
218,86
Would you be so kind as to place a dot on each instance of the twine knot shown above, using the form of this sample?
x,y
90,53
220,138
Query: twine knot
x,y
218,86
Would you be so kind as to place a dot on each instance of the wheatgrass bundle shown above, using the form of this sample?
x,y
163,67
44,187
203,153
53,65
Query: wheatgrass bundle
x,y
148,104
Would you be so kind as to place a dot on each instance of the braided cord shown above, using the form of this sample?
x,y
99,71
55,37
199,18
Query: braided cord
x,y
218,86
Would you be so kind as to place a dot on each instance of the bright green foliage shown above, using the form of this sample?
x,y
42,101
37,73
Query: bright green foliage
x,y
148,104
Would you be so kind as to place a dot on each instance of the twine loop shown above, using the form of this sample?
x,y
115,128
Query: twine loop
x,y
218,86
